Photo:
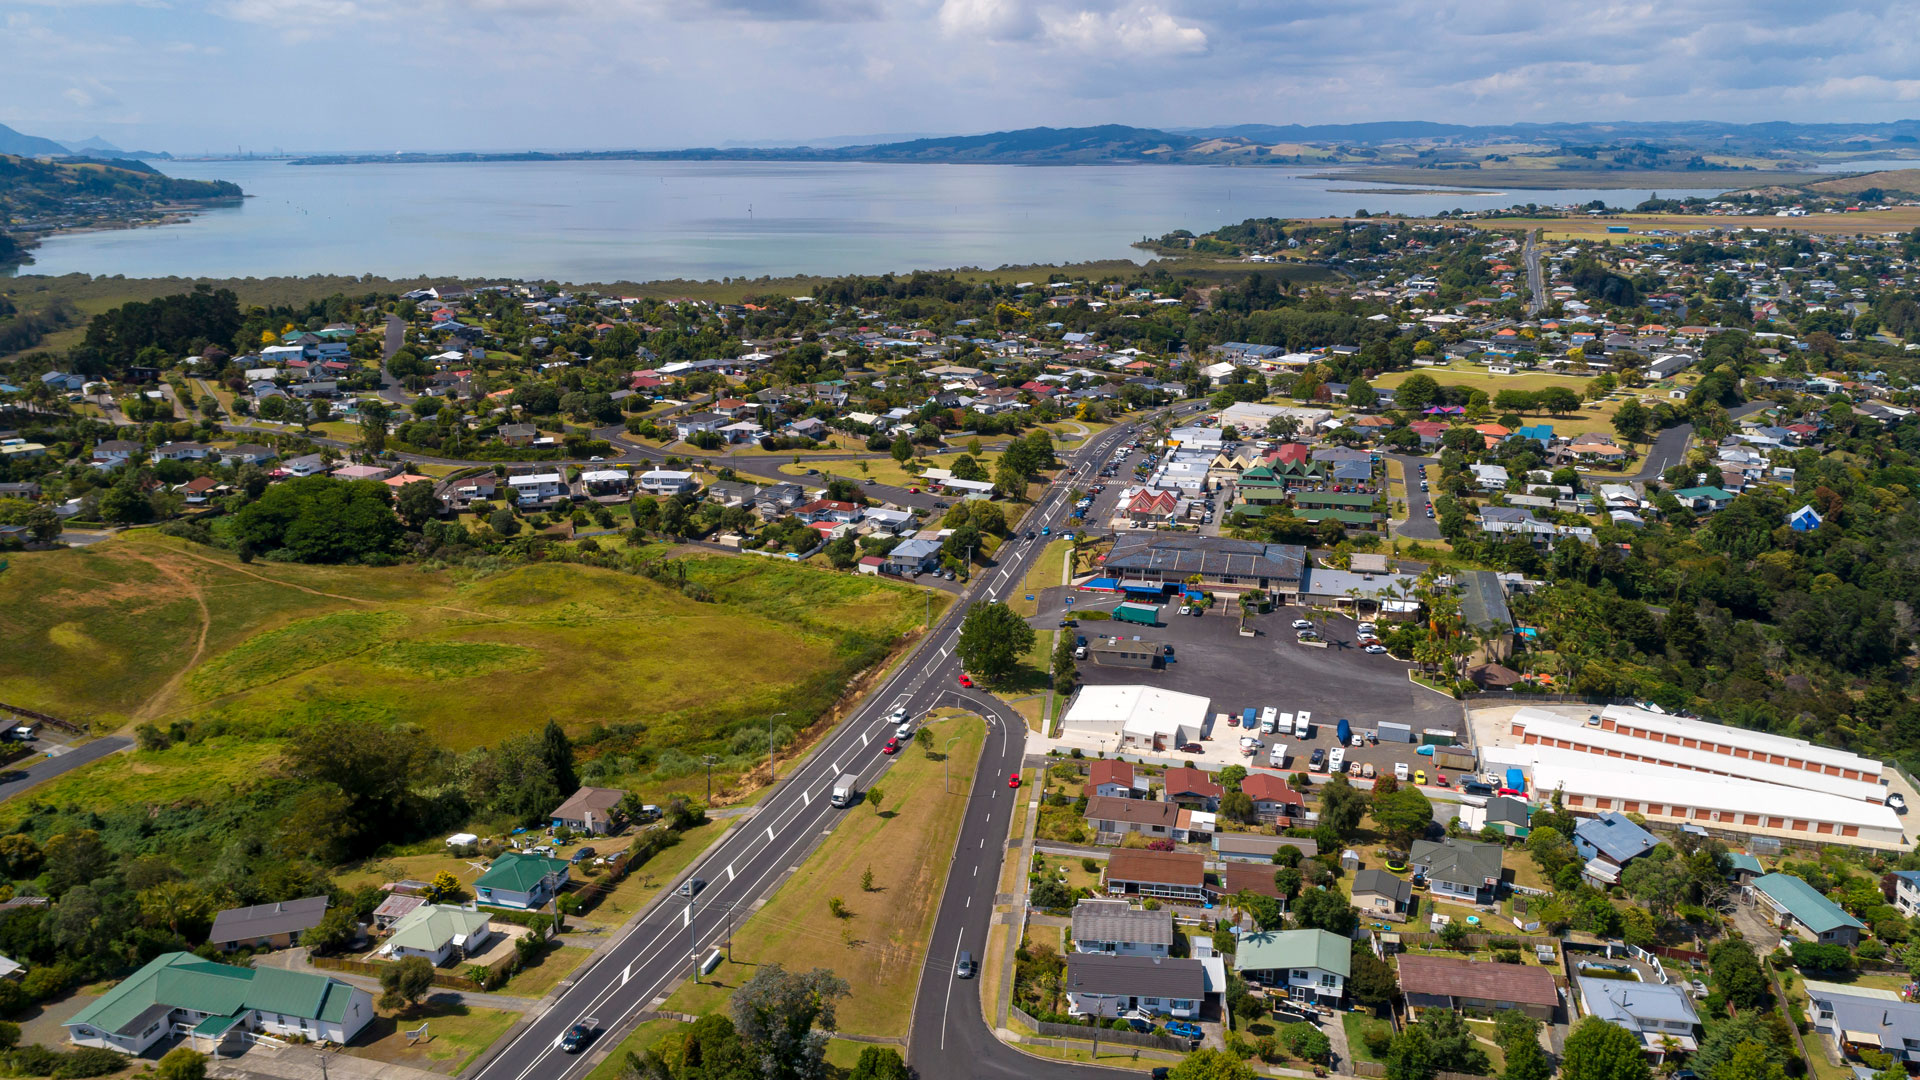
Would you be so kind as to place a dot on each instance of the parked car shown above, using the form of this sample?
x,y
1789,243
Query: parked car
x,y
1303,624
1191,748
1420,776
1896,802
1376,649
582,855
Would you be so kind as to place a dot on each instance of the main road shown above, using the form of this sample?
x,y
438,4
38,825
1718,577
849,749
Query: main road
x,y
649,959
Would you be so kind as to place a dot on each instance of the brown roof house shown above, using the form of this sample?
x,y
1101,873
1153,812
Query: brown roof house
x,y
1114,779
1193,787
1443,982
1171,875
593,810
267,926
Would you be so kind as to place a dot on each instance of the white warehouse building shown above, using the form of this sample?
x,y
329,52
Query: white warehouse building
x,y
1136,717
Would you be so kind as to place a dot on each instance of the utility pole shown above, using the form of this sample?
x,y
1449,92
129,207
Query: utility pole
x,y
770,721
709,761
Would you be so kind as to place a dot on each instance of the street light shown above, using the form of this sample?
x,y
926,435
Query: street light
x,y
770,721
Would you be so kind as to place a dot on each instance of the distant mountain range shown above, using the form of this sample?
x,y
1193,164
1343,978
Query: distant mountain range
x,y
14,142
1574,146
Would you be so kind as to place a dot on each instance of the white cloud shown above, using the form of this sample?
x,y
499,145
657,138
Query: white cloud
x,y
1141,30
992,20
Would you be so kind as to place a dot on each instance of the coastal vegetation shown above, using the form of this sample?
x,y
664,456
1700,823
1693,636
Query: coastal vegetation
x,y
38,196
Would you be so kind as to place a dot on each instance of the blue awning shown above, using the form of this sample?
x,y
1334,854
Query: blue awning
x,y
1101,584
1144,587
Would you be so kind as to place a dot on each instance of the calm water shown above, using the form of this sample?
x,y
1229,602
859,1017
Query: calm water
x,y
638,221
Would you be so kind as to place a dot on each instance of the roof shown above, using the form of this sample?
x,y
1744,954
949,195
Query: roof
x,y
1614,835
1166,867
1137,704
1748,738
599,801
1209,556
1463,862
1139,811
1590,775
430,927
1106,772
1817,913
1273,950
1251,844
1136,976
266,920
1741,862
1630,1004
184,981
1381,883
1446,976
1116,920
1182,780
396,905
1881,1016
1267,787
1237,877
1483,600
518,872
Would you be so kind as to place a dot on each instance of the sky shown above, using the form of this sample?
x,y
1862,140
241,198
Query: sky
x,y
189,76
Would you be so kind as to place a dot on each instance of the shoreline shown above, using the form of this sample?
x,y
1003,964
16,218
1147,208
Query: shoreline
x,y
164,214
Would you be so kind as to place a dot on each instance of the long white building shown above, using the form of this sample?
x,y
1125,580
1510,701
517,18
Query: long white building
x,y
1742,743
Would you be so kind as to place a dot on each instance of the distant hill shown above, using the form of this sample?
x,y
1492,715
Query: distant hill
x,y
13,142
71,193
1904,182
100,148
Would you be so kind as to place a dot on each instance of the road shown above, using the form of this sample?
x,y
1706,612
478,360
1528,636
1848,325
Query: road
x,y
651,958
1536,278
13,782
1418,525
1670,446
390,389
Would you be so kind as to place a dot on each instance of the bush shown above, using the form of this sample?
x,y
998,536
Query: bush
x,y
1377,1038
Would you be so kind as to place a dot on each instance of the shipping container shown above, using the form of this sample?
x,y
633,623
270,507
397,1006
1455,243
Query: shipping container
x,y
1435,736
1449,759
1392,732
1143,614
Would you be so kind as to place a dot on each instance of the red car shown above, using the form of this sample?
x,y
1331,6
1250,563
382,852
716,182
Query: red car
x,y
964,680
892,747
913,491
1013,780
1440,779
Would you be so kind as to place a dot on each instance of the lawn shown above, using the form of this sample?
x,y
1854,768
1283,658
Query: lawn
x,y
1043,574
643,883
1356,1024
884,470
879,946
456,1034
552,965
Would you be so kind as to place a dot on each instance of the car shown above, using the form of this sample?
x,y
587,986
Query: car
x,y
892,747
813,472
1191,748
966,680
692,887
1159,1072
1233,719
1423,485
1440,779
1303,624
596,459
904,731
1030,534
1069,621
576,1038
1366,770
898,715
1420,776
1046,530
1429,511
1699,989
1367,628
963,968
1376,648
1013,780
1318,759
1896,802
871,480
1308,635
1358,740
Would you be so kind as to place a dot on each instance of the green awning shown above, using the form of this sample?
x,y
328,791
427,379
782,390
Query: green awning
x,y
213,1027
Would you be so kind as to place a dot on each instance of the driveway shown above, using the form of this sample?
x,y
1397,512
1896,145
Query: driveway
x,y
1418,525
14,781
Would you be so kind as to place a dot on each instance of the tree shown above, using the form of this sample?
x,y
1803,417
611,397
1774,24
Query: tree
x,y
1750,1060
1210,1064
1452,1044
875,797
371,765
924,739
1598,1050
405,982
1409,1057
74,859
902,449
1066,673
992,640
1404,815
1736,971
1238,806
879,1063
1372,980
1287,880
416,504
373,425
557,750
444,887
333,933
1727,1035
1526,1061
775,1013
1418,392
1630,420
1342,806
1324,909
319,519
181,1063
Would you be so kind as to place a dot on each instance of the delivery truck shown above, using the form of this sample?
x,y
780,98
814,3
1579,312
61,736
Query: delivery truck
x,y
1143,614
844,790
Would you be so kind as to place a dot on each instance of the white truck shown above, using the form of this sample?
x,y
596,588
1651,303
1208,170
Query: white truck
x,y
1400,770
1302,725
1337,764
1277,756
1269,717
844,790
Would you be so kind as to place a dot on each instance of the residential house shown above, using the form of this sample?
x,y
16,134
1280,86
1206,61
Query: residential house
x,y
247,454
219,1002
731,493
1099,984
113,452
1799,907
776,500
1148,817
1901,889
667,482
1489,477
183,451
1309,964
687,425
522,880
532,489
1192,787
1486,987
1858,1018
463,493
1465,871
440,933
828,510
1704,500
394,908
1805,519
1113,779
1272,799
1503,813
267,926
1249,847
1660,1014
1167,875
1608,843
1118,928
914,556
592,810
1378,894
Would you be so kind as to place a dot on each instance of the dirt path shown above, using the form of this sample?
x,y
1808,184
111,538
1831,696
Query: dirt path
x,y
189,586
329,595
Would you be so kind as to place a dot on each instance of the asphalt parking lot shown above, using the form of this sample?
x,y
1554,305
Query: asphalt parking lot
x,y
1213,661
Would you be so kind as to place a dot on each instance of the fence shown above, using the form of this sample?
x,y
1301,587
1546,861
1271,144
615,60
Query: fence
x,y
1481,941
362,967
1077,1031
42,718
1374,1068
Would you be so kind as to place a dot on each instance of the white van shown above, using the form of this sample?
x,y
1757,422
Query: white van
x,y
1269,716
1277,757
1400,770
1337,764
1302,725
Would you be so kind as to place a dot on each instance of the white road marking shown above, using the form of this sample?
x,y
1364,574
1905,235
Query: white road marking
x,y
769,834
949,1005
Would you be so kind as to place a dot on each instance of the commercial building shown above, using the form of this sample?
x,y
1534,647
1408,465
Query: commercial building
x,y
1125,652
1743,743
1221,562
1136,716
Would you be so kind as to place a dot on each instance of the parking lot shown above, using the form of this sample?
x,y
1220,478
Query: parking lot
x,y
1235,673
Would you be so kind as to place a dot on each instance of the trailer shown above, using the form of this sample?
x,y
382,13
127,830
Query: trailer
x,y
1143,614
1451,759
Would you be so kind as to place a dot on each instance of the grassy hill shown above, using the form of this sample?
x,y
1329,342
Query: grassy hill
x,y
1904,181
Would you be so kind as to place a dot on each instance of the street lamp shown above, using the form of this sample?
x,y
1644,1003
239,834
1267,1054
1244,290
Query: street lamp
x,y
770,721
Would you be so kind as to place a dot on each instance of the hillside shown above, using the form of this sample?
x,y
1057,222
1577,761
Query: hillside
x,y
14,142
39,197
1900,181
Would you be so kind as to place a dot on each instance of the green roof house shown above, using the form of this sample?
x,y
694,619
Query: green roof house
x,y
521,880
1309,963
1798,907
181,994
1704,500
439,932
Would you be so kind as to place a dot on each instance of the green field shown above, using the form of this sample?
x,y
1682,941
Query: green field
x,y
1593,415
878,949
147,628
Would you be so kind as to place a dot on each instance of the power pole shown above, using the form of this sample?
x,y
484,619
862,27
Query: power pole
x,y
709,761
770,721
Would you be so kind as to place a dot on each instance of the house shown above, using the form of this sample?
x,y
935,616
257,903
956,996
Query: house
x,y
442,933
1608,843
1377,893
247,454
1153,508
1444,982
267,926
1148,817
1859,1018
1248,847
687,426
590,810
521,880
118,452
1660,1014
1239,877
182,451
1461,870
667,482
219,1002
1118,928
1798,907
1168,875
394,908
1704,500
828,510
1112,779
1805,519
1309,964
1490,477
1901,889
534,488
1272,799
1105,985
605,483
1503,813
463,493
1192,787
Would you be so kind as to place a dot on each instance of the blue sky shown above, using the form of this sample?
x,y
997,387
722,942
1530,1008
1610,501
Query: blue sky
x,y
193,75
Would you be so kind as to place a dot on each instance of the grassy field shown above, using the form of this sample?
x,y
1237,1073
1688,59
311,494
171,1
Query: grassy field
x,y
1595,416
552,965
642,1038
1043,574
456,1034
908,845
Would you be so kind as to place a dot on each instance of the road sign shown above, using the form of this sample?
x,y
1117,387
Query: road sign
x,y
416,1034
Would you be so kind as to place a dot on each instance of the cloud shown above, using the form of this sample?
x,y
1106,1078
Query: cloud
x,y
1139,29
990,20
